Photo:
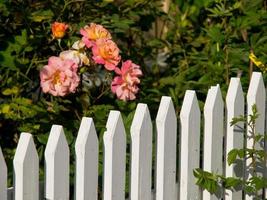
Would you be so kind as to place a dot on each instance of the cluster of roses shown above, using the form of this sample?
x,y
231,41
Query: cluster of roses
x,y
60,76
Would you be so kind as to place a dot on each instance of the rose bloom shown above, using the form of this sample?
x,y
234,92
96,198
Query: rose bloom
x,y
106,52
78,45
59,77
92,33
59,29
125,85
76,56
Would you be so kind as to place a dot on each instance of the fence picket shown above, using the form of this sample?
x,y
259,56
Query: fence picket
x,y
190,146
57,165
141,154
166,124
256,95
86,149
114,157
213,136
234,134
3,175
26,169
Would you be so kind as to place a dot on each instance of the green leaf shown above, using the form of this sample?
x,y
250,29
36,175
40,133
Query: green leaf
x,y
231,156
216,34
21,39
5,109
10,91
241,153
41,15
254,109
231,182
235,120
42,138
258,182
7,60
206,180
258,137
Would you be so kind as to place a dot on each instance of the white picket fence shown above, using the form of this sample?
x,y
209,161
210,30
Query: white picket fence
x,y
219,138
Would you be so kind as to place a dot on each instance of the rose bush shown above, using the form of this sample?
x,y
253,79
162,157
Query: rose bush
x,y
60,77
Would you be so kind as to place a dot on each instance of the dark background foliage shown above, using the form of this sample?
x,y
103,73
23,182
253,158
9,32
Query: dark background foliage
x,y
195,44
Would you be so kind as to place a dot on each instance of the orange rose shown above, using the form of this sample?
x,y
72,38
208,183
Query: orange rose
x,y
59,29
106,52
92,33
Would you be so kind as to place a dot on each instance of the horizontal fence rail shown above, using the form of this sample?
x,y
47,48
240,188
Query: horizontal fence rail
x,y
177,152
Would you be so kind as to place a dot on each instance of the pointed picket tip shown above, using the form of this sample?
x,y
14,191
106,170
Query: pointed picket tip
x,y
213,135
114,125
213,99
26,169
25,148
256,85
190,104
141,119
114,157
86,150
56,140
166,127
86,131
57,165
141,154
166,110
256,95
234,137
235,92
189,146
3,175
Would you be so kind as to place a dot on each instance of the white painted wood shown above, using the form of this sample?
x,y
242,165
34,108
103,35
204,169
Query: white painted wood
x,y
3,175
86,149
234,134
256,95
190,146
114,157
213,136
10,193
26,169
141,154
166,124
57,165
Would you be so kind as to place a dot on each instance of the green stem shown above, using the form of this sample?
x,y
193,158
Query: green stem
x,y
253,148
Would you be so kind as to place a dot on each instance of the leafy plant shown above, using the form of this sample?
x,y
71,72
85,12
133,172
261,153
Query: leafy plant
x,y
254,157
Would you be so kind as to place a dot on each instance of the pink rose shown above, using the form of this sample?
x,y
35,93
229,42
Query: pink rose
x,y
59,77
92,33
125,85
106,52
